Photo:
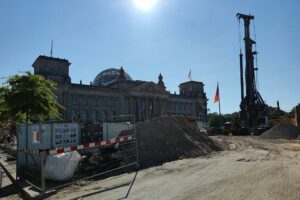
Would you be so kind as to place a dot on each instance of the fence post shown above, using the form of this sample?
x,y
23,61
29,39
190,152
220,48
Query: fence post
x,y
0,178
18,156
137,149
51,139
42,172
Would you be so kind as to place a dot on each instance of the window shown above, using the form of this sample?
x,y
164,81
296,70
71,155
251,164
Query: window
x,y
114,114
173,106
179,107
94,116
83,101
93,101
115,103
99,102
190,107
83,116
104,116
105,102
74,114
184,108
74,99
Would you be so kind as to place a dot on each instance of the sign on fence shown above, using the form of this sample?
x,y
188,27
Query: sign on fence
x,y
65,134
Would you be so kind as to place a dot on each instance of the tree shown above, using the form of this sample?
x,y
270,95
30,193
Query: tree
x,y
217,121
31,97
3,106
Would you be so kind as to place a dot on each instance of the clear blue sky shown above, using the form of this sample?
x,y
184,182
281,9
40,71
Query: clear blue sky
x,y
172,38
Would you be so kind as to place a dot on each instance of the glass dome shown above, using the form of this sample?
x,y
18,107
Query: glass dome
x,y
108,76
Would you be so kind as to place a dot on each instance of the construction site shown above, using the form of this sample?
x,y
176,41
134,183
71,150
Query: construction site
x,y
255,156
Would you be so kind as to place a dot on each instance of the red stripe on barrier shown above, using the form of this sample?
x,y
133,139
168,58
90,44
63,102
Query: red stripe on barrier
x,y
73,148
97,143
62,150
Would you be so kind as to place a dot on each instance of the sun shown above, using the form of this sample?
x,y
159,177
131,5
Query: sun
x,y
144,5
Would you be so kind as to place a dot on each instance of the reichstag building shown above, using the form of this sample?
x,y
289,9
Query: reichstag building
x,y
114,93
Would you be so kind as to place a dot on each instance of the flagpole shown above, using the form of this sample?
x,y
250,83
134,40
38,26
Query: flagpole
x,y
51,52
219,107
219,100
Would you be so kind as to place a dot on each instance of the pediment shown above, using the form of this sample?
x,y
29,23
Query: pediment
x,y
149,87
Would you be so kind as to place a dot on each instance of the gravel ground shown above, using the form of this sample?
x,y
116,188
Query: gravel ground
x,y
249,168
282,131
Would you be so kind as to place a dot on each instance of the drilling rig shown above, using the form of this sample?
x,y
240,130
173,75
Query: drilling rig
x,y
254,111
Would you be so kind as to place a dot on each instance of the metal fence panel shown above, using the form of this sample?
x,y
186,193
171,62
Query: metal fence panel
x,y
111,130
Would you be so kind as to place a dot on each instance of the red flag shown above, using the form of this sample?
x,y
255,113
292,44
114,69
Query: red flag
x,y
217,96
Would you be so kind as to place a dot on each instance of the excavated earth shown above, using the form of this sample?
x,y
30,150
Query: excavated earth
x,y
282,131
170,138
164,139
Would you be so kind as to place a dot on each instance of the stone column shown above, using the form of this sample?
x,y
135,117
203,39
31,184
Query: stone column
x,y
147,108
123,107
140,109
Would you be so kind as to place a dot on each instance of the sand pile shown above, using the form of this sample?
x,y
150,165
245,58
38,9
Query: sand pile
x,y
282,131
169,138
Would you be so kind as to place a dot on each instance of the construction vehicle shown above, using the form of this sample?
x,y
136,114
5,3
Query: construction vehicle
x,y
234,128
254,111
230,128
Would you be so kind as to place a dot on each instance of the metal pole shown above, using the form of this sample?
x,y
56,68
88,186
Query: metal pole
x,y
242,76
17,159
137,165
51,133
136,146
0,177
132,182
42,173
26,140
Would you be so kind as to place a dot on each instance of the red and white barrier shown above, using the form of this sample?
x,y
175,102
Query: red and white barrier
x,y
78,147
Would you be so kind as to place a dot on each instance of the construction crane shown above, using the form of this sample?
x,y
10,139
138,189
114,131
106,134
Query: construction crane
x,y
254,112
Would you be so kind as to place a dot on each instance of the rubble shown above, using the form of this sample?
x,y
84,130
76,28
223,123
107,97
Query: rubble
x,y
282,131
167,138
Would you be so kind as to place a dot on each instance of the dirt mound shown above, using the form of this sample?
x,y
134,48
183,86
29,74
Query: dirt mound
x,y
169,138
282,131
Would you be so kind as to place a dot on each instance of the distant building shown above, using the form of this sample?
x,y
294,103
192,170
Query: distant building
x,y
114,93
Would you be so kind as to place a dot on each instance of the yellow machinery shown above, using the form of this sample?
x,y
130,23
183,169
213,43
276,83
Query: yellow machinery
x,y
274,122
230,128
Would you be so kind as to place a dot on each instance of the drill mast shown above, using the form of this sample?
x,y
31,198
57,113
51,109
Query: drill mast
x,y
252,105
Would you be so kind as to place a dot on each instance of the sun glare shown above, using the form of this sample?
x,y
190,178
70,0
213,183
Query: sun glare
x,y
144,5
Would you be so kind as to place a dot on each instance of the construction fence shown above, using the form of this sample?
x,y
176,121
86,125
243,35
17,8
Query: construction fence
x,y
50,155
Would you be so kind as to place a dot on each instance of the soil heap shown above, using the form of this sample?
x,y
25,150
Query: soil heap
x,y
164,139
282,131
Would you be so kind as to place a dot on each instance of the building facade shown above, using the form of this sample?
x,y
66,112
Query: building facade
x,y
113,93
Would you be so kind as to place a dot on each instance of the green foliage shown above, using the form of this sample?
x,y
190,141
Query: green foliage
x,y
29,95
3,106
217,121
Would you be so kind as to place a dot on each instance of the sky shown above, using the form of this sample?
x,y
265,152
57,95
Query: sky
x,y
172,38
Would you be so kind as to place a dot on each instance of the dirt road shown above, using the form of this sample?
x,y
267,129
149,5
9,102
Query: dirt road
x,y
249,168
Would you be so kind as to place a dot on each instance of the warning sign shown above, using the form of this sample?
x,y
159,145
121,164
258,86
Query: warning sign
x,y
65,134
